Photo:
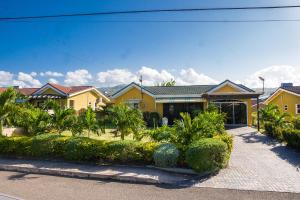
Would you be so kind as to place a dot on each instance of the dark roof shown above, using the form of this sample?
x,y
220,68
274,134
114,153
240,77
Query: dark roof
x,y
294,89
178,90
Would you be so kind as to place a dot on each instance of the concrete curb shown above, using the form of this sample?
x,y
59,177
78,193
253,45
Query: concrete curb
x,y
84,175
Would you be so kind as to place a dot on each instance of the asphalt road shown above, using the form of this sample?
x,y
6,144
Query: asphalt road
x,y
33,186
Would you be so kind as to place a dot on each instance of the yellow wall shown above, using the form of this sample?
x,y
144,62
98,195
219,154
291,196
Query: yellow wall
x,y
135,94
50,91
81,101
283,98
226,88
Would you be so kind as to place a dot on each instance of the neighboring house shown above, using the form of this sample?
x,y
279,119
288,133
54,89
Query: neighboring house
x,y
77,97
232,99
287,98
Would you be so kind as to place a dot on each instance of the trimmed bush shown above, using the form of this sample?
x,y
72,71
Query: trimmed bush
x,y
296,122
84,149
292,137
78,149
207,154
166,155
227,138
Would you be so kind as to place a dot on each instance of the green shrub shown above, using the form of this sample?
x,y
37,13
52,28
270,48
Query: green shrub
x,y
227,138
147,149
269,128
292,137
207,154
166,155
296,122
84,149
162,134
48,146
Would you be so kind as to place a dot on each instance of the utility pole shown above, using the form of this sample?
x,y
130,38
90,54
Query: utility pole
x,y
263,82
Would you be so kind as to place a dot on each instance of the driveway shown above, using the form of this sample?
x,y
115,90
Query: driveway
x,y
258,163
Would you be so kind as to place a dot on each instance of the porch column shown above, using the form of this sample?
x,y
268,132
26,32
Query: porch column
x,y
257,108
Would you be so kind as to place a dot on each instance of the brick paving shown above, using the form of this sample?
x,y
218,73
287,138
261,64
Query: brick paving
x,y
258,163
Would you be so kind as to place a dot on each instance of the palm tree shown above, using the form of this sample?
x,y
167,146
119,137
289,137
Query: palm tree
x,y
7,103
127,120
62,118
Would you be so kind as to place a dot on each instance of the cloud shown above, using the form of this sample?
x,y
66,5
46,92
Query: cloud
x,y
33,74
5,78
116,77
152,76
191,77
53,80
26,80
51,74
274,76
78,77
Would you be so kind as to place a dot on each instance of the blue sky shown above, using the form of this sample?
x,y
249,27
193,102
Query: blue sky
x,y
84,50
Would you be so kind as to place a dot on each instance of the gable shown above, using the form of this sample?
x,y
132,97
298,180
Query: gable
x,y
50,91
132,93
282,96
227,88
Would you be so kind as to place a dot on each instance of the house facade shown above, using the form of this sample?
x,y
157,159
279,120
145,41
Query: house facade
x,y
77,97
169,101
287,98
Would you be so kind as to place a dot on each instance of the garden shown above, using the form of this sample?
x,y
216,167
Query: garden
x,y
281,125
117,134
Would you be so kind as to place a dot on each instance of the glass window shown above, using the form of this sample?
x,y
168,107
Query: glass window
x,y
285,107
72,103
297,108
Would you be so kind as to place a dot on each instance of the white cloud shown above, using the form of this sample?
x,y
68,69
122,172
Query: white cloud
x,y
5,78
274,76
26,80
53,80
78,77
33,74
51,74
152,77
191,77
116,77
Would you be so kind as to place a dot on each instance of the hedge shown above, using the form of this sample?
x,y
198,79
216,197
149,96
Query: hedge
x,y
209,154
292,138
166,155
54,146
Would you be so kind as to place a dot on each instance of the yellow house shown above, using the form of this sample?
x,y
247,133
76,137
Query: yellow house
x,y
77,97
287,98
169,101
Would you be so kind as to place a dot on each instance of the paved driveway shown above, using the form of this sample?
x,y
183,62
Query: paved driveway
x,y
258,163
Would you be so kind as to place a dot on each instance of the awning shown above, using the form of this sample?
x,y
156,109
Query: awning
x,y
179,100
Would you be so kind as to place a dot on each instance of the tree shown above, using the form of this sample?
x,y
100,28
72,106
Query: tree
x,y
62,118
171,82
7,105
127,120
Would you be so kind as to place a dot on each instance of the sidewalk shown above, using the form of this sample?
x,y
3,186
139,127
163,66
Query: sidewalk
x,y
134,174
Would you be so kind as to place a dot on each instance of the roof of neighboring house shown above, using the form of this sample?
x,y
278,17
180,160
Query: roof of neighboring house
x,y
294,89
27,91
71,89
2,89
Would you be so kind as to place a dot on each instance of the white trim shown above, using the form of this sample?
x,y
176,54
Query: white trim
x,y
47,86
128,87
227,83
179,100
280,90
90,89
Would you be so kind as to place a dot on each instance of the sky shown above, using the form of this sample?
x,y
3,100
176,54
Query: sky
x,y
94,51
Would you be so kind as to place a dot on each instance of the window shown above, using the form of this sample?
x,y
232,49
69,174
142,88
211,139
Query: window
x,y
72,103
297,108
285,107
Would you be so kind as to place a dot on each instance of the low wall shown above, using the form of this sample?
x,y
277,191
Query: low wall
x,y
13,131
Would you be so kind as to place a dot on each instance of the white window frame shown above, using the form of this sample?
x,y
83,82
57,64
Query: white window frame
x,y
285,107
70,103
297,109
